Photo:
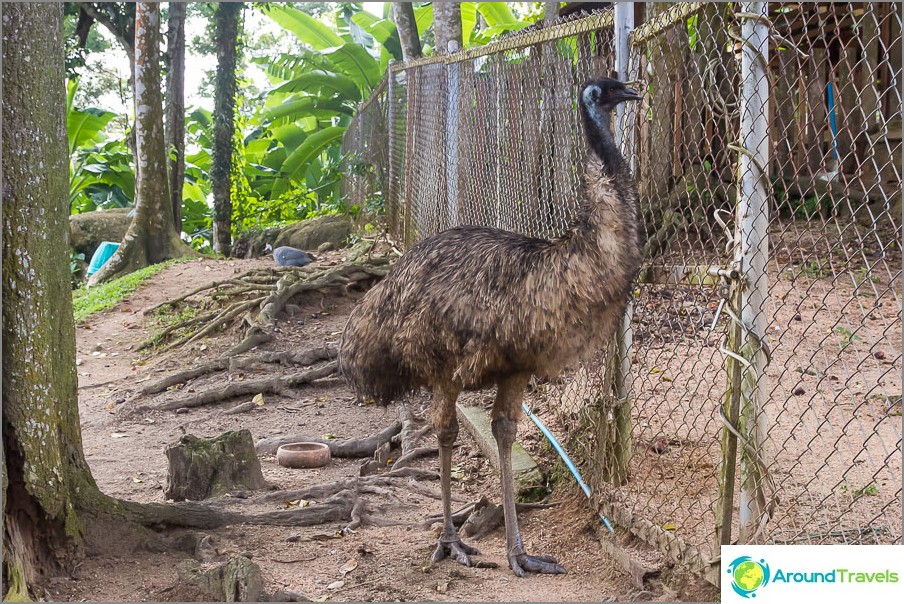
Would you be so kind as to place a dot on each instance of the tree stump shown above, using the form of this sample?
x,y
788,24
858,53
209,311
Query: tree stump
x,y
200,468
236,580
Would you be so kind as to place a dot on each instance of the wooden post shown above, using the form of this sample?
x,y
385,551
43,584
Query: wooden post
x,y
752,252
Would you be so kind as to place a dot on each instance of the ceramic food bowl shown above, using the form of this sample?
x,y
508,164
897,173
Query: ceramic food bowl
x,y
303,455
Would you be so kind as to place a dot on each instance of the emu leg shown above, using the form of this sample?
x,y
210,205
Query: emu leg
x,y
505,412
449,544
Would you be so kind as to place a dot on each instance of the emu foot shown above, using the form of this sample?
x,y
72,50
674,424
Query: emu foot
x,y
519,563
454,548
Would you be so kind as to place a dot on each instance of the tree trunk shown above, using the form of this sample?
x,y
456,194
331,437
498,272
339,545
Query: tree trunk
x,y
550,13
446,25
227,31
119,19
175,107
403,15
151,237
45,476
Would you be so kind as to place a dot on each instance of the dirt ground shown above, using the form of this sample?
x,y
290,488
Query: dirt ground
x,y
125,449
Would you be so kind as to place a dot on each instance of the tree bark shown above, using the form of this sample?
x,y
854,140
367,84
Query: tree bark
x,y
175,107
151,237
227,31
403,15
119,19
550,13
45,474
446,25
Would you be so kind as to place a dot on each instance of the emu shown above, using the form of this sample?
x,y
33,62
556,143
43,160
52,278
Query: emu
x,y
472,307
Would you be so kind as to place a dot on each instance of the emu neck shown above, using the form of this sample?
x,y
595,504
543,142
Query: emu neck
x,y
599,136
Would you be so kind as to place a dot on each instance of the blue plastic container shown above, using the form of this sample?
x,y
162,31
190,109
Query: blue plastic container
x,y
103,254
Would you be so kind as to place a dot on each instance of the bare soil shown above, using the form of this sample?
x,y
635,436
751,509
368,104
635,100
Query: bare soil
x,y
124,444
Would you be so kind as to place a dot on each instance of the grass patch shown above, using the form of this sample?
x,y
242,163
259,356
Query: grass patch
x,y
90,301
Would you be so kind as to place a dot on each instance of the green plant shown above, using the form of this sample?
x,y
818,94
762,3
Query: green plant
x,y
100,168
871,489
74,259
815,269
847,336
90,301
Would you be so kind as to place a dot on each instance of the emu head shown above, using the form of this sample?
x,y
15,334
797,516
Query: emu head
x,y
600,97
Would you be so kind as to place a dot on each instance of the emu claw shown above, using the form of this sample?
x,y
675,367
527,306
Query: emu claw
x,y
519,563
457,549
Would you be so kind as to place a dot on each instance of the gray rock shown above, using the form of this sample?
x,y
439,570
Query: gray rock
x,y
311,234
290,256
88,230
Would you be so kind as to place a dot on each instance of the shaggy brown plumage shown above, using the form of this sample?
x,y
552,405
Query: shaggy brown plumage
x,y
472,307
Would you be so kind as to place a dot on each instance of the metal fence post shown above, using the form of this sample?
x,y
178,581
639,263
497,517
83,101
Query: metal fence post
x,y
752,252
621,413
392,187
452,77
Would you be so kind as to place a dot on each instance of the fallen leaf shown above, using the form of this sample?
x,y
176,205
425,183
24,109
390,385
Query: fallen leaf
x,y
336,585
329,436
119,435
348,567
136,479
322,599
78,362
669,527
87,326
203,347
297,503
258,399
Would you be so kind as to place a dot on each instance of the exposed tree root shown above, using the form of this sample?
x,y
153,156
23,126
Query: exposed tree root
x,y
269,290
479,517
338,501
254,337
190,514
354,448
406,459
272,385
285,358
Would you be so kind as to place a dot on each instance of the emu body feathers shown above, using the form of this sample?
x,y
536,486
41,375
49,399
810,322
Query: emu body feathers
x,y
473,304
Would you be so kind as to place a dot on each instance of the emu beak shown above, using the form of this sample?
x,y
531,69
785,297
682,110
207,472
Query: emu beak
x,y
629,95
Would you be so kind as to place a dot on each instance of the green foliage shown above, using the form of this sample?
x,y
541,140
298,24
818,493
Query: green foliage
x,y
90,301
74,260
847,336
100,169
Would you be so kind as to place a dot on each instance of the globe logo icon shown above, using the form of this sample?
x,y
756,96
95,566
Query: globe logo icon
x,y
748,575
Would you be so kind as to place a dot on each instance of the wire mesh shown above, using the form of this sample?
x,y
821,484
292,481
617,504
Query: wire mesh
x,y
491,136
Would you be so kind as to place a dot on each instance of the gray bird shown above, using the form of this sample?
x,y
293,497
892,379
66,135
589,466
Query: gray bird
x,y
290,256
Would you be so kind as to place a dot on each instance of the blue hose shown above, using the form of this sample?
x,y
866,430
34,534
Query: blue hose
x,y
568,463
833,123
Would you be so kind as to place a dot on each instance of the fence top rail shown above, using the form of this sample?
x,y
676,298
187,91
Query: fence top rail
x,y
655,26
375,93
592,22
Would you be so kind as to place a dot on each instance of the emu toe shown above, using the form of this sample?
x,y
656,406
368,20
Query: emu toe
x,y
521,563
454,548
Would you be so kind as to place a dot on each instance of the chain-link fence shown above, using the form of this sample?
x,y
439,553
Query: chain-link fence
x,y
758,393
